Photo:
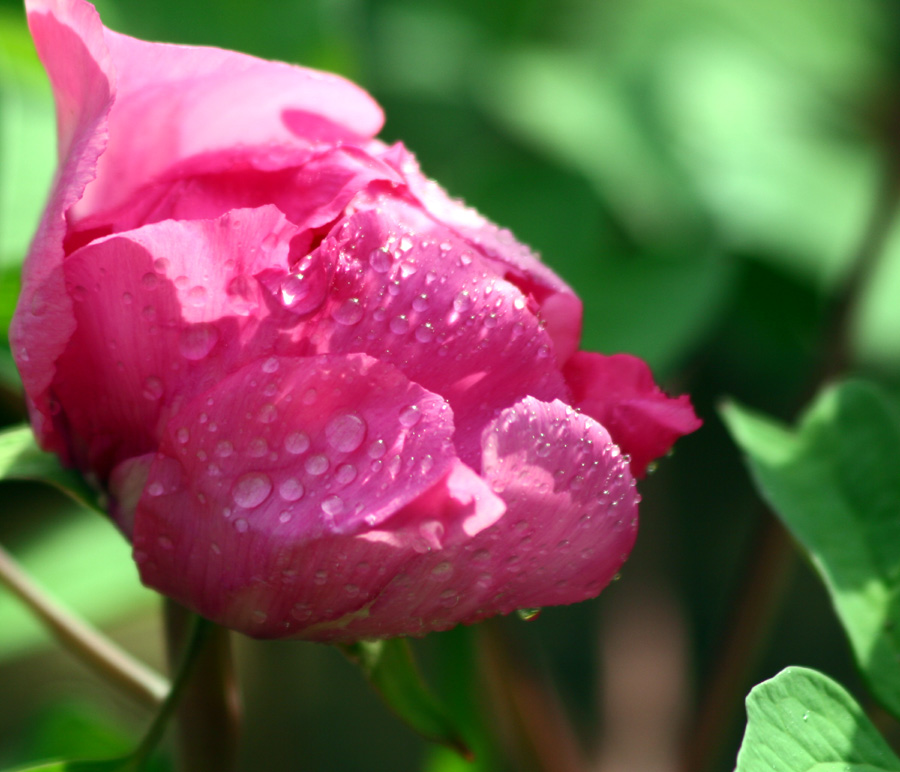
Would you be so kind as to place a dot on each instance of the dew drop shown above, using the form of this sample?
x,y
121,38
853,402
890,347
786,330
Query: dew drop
x,y
183,435
348,313
291,489
420,302
345,474
320,577
399,325
424,333
410,416
442,571
345,433
153,388
463,302
285,517
197,340
271,365
197,296
149,281
296,443
251,490
377,449
224,449
268,413
332,505
257,447
380,260
316,465
241,525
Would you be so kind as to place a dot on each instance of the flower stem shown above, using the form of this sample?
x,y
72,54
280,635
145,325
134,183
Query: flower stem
x,y
113,663
208,713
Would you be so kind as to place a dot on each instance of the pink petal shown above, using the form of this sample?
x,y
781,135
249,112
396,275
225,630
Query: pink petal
x,y
162,313
312,194
620,393
178,102
559,306
570,521
69,40
410,292
257,477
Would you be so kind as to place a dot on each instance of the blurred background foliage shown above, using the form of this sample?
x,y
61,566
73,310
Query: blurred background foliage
x,y
717,179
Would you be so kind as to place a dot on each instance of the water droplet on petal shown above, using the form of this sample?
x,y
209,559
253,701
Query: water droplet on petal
x,y
410,416
291,489
317,464
296,443
377,449
197,340
463,302
197,296
346,432
345,474
399,325
251,490
380,260
153,388
424,333
241,525
348,313
332,505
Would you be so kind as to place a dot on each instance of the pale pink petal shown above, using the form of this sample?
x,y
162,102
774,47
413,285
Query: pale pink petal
x,y
162,313
255,479
69,40
311,194
570,521
412,293
559,306
178,102
620,393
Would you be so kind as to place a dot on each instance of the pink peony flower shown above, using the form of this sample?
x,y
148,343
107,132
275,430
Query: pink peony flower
x,y
326,401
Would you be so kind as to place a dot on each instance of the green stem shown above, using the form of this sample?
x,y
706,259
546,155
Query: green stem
x,y
208,714
200,633
113,663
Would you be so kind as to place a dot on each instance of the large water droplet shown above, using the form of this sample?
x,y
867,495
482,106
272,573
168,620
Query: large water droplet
x,y
296,443
251,490
380,259
317,464
345,474
399,325
348,313
197,340
410,416
332,505
305,290
346,432
291,489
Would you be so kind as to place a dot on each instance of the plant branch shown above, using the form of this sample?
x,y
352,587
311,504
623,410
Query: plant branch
x,y
114,664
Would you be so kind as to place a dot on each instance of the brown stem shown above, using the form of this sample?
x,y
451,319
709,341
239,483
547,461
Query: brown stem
x,y
208,716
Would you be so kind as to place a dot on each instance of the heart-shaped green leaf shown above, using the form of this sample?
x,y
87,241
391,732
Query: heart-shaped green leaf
x,y
801,720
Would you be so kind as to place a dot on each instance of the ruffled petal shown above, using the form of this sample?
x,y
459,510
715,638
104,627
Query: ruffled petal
x,y
560,307
162,313
259,478
180,102
569,520
69,41
414,294
620,393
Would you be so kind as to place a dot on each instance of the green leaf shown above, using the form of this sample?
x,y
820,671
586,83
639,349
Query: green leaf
x,y
22,459
390,668
835,482
801,720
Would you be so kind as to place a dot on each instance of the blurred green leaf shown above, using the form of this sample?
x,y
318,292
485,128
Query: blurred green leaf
x,y
108,765
390,668
835,482
801,720
22,459
27,142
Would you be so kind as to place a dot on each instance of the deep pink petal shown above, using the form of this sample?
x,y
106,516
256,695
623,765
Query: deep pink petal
x,y
162,313
620,393
69,40
178,102
570,521
559,306
412,293
258,479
